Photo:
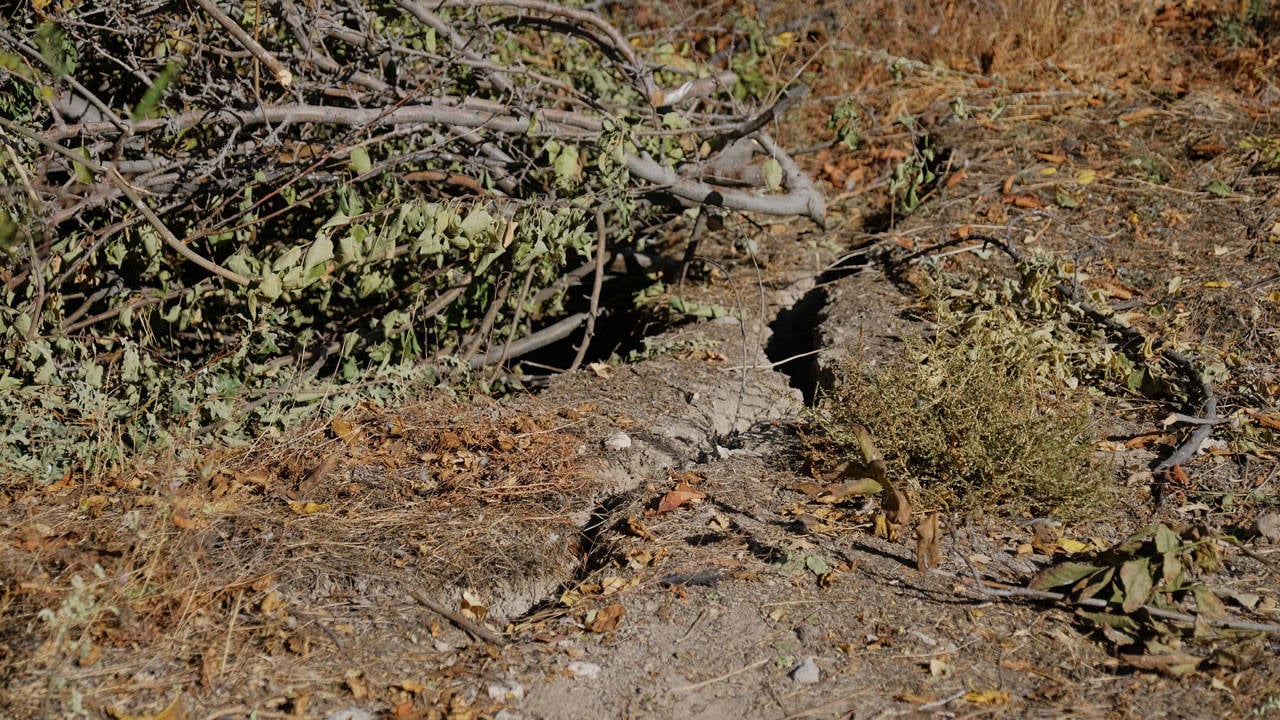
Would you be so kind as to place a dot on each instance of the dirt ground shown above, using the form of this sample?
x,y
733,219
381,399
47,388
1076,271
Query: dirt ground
x,y
636,539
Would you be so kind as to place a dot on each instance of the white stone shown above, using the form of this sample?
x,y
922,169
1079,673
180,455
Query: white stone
x,y
505,690
806,673
617,441
585,670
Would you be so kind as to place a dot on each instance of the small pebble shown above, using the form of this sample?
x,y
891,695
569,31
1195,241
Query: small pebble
x,y
617,441
1268,526
585,670
505,690
808,634
806,673
349,714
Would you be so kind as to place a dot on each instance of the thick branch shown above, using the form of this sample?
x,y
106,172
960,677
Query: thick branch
x,y
803,198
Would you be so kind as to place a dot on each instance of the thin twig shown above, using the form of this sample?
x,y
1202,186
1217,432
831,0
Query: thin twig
x,y
169,238
473,628
281,73
596,285
718,678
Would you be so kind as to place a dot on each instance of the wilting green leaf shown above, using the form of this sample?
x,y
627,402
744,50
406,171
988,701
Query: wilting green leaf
x,y
151,98
1061,575
817,564
1171,571
1166,539
83,176
1135,577
772,171
568,171
321,251
1219,188
1208,604
287,260
1097,584
360,161
478,222
270,286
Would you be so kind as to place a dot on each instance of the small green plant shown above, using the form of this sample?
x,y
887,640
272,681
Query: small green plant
x,y
845,122
1266,151
992,412
916,175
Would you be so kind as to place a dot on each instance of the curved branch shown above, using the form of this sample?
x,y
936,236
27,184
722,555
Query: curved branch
x,y
797,202
585,17
169,238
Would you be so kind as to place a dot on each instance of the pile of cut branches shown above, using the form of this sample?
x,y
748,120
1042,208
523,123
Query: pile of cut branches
x,y
205,207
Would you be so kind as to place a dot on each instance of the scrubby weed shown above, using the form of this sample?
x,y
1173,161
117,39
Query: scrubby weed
x,y
970,426
991,412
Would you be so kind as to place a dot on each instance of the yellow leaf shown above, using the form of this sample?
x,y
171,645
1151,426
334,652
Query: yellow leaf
x,y
410,686
613,584
307,508
783,40
1218,284
1084,177
1073,546
343,429
987,697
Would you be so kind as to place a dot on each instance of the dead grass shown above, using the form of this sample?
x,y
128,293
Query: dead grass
x,y
114,594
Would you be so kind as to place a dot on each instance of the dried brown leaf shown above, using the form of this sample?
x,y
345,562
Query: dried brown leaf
x,y
683,494
838,492
928,542
1175,664
607,618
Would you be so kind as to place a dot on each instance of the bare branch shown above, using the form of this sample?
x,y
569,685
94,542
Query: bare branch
x,y
281,73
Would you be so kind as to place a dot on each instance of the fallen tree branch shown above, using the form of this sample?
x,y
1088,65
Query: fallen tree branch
x,y
535,341
991,588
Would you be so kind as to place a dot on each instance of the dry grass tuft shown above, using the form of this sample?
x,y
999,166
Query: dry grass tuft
x,y
970,426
